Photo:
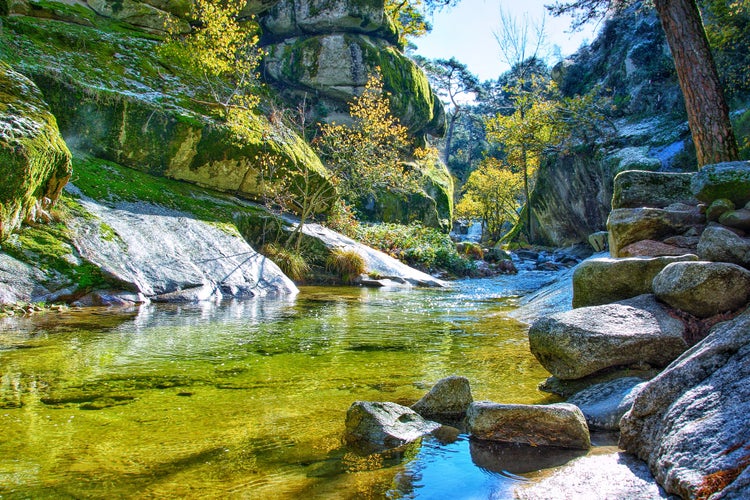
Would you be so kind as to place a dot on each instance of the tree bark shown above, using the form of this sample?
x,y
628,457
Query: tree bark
x,y
707,110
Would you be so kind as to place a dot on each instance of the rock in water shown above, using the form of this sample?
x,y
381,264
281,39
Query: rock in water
x,y
604,404
703,289
561,424
377,426
449,398
34,160
728,180
690,423
577,343
606,280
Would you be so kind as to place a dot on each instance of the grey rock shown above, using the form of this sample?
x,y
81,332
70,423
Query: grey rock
x,y
605,280
604,404
375,426
449,397
599,240
561,425
19,282
738,219
691,420
597,476
628,225
729,180
717,208
641,188
720,244
581,342
703,288
139,14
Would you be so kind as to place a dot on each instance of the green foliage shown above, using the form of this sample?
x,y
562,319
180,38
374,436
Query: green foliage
x,y
728,30
416,245
346,264
292,263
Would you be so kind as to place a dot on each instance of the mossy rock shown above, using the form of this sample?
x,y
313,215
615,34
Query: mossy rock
x,y
34,160
728,180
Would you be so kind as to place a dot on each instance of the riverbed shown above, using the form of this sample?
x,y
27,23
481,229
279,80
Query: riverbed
x,y
248,399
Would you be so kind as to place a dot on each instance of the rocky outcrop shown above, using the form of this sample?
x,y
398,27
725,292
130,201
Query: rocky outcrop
x,y
605,280
638,188
34,160
629,225
377,426
729,180
449,398
690,422
561,425
583,341
604,404
702,288
720,244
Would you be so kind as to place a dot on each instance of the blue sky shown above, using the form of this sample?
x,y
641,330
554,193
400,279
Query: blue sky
x,y
466,33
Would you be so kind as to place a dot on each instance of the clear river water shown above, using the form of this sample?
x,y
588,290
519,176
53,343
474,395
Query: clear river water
x,y
248,399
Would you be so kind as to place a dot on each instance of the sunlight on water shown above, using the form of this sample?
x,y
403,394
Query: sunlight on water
x,y
248,399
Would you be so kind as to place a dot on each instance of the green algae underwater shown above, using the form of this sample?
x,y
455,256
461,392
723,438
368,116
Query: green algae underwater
x,y
248,399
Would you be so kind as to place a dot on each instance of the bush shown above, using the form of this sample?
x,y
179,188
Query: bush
x,y
291,263
347,264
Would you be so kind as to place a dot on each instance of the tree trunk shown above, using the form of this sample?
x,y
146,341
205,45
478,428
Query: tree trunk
x,y
449,137
707,110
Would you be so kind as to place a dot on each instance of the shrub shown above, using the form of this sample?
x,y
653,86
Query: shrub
x,y
290,262
347,264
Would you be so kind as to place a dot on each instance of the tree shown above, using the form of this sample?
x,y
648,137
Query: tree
x,y
410,16
453,82
491,194
528,131
707,109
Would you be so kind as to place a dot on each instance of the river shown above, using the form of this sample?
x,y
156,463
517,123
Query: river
x,y
248,399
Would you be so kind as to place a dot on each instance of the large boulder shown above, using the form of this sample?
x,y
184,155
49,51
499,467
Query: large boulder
x,y
605,280
604,404
738,219
35,163
583,341
640,188
561,425
690,422
377,426
448,398
703,288
720,244
628,225
147,15
650,248
729,180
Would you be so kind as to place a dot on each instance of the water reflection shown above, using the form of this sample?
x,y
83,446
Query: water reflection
x,y
248,399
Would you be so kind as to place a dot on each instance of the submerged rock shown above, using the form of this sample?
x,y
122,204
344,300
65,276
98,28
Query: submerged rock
x,y
605,280
702,288
604,404
35,163
448,398
375,426
561,425
690,423
580,342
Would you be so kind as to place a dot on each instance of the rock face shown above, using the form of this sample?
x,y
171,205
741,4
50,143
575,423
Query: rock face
x,y
729,180
580,342
639,188
690,422
604,404
628,225
449,398
605,280
34,160
702,288
720,244
561,425
376,426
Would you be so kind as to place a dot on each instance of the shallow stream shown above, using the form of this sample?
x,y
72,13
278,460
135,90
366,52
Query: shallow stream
x,y
248,399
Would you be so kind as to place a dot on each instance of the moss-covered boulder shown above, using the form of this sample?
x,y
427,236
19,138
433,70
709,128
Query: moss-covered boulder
x,y
146,15
336,66
34,160
728,180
